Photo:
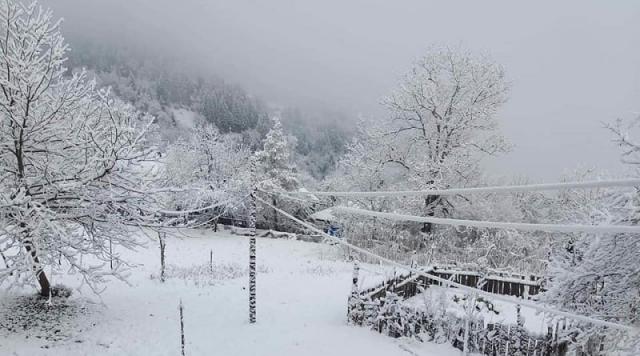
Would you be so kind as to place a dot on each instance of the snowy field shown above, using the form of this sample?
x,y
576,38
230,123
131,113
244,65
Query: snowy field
x,y
302,295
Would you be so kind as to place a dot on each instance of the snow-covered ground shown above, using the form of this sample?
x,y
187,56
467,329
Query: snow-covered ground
x,y
185,119
302,294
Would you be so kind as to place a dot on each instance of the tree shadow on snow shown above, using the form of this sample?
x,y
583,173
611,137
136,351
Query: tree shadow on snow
x,y
61,319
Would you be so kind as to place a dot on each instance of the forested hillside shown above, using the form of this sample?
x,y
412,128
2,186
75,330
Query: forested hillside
x,y
181,97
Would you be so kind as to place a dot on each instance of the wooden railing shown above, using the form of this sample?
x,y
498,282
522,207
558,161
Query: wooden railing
x,y
406,285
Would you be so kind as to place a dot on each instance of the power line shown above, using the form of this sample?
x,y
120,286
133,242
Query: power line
x,y
450,283
198,210
612,229
497,189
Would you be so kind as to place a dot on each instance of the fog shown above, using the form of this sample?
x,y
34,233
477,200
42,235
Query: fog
x,y
573,66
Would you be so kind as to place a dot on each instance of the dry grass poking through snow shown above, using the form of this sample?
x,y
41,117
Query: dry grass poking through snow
x,y
208,275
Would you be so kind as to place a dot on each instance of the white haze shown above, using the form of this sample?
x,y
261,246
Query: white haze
x,y
573,65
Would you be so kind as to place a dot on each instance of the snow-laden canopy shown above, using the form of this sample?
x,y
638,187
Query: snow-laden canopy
x,y
324,215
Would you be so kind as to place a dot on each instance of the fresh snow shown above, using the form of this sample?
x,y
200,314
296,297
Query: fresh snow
x,y
534,321
185,118
302,295
323,215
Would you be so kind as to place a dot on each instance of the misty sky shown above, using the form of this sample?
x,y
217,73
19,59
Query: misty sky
x,y
573,64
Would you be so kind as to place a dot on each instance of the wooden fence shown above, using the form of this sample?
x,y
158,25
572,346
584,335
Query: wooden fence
x,y
504,283
381,309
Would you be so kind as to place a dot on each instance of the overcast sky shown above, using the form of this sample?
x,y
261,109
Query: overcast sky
x,y
573,64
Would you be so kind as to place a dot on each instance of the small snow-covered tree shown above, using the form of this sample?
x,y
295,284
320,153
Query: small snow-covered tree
x,y
274,161
276,174
72,173
214,167
362,169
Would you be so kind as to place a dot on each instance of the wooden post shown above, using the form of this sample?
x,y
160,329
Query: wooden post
x,y
252,280
471,301
354,281
110,254
352,303
211,261
181,327
252,261
163,246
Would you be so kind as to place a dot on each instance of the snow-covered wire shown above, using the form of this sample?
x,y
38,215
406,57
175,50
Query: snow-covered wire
x,y
216,217
612,229
632,182
449,283
197,210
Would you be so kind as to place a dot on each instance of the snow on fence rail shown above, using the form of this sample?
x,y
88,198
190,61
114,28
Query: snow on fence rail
x,y
406,285
496,189
471,290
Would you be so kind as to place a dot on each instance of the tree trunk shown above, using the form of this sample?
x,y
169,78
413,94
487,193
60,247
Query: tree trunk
x,y
428,201
43,281
275,213
5,260
163,246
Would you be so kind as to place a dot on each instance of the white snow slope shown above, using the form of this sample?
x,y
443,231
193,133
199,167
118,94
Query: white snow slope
x,y
302,294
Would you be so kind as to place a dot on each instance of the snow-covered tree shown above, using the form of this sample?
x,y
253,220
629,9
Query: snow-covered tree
x,y
444,121
361,169
598,274
216,170
442,124
274,161
276,174
72,172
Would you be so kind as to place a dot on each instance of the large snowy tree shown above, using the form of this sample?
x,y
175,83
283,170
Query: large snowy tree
x,y
72,172
444,120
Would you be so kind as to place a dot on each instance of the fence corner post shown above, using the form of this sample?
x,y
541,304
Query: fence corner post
x,y
354,298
